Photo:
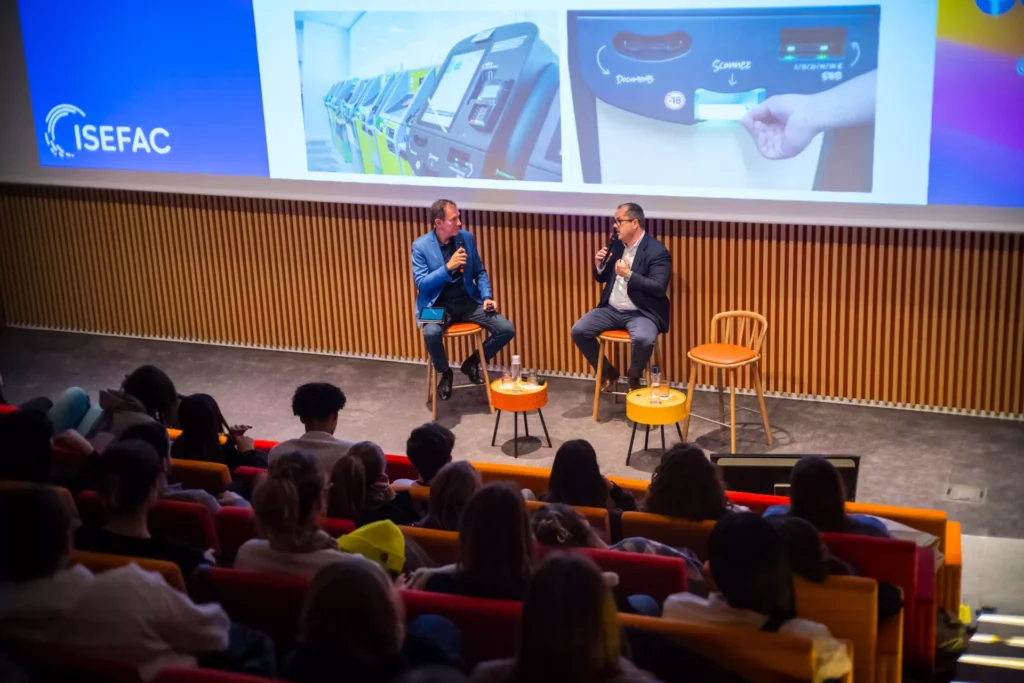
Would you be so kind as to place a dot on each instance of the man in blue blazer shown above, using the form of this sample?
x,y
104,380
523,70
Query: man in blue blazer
x,y
449,274
635,297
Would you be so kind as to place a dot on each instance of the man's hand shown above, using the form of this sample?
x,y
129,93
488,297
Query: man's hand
x,y
622,268
599,257
490,305
458,259
780,126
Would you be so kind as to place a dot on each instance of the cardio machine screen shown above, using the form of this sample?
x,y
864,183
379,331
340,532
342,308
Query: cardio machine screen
x,y
454,83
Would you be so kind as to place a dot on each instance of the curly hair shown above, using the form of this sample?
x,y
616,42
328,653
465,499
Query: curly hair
x,y
687,485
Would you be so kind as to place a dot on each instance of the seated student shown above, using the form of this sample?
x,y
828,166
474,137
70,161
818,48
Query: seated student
x,y
749,564
129,478
576,480
156,436
289,504
570,630
124,614
495,546
201,426
25,451
353,629
429,448
450,492
317,405
689,486
817,494
360,490
146,395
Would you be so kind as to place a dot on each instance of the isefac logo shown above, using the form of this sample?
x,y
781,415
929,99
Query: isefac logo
x,y
105,138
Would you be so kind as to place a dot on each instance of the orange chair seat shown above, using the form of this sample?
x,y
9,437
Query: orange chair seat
x,y
722,354
461,328
615,335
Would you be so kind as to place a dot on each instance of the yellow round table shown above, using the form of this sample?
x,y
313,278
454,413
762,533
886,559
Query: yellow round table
x,y
515,399
640,410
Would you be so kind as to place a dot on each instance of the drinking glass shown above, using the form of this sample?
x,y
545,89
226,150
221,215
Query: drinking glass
x,y
506,378
532,379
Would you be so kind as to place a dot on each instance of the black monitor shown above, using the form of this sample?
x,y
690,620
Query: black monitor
x,y
769,474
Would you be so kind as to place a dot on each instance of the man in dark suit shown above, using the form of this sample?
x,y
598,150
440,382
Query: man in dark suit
x,y
635,298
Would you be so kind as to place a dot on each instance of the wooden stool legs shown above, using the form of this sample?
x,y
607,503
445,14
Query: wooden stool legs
x,y
602,350
719,372
432,376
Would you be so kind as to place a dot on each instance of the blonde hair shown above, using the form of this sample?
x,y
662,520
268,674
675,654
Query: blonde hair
x,y
285,502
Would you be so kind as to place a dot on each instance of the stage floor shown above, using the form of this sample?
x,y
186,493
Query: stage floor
x,y
908,458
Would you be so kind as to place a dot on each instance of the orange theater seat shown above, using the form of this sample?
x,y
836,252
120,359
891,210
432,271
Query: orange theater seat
x,y
440,546
101,562
679,533
597,517
195,474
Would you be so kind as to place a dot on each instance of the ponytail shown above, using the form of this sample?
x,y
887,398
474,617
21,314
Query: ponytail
x,y
285,501
348,489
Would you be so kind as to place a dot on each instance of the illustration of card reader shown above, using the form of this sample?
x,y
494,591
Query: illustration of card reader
x,y
709,105
489,98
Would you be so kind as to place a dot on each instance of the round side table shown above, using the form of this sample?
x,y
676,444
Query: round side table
x,y
639,409
528,398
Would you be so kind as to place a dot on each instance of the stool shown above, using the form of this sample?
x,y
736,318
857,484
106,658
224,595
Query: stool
x,y
605,340
640,410
529,398
740,346
454,331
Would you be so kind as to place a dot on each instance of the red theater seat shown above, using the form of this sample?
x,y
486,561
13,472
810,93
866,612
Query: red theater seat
x,y
172,675
52,662
269,602
490,628
188,523
651,575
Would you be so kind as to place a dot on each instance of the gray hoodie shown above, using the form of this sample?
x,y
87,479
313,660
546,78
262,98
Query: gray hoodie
x,y
121,410
125,614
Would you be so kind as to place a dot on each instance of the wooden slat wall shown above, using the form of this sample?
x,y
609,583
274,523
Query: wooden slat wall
x,y
893,316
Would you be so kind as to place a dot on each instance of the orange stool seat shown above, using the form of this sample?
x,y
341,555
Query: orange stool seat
x,y
615,335
722,354
453,331
461,329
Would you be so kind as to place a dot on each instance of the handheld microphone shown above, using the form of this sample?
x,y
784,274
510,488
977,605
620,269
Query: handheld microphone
x,y
459,245
611,241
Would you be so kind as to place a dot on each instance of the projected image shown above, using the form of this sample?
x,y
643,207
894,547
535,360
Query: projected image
x,y
760,99
452,95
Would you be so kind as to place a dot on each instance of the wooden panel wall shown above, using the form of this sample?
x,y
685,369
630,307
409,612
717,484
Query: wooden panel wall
x,y
901,317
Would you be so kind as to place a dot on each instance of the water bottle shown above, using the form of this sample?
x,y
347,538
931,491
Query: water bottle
x,y
517,367
655,385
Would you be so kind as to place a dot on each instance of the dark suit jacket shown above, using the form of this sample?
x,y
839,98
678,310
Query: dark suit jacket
x,y
648,285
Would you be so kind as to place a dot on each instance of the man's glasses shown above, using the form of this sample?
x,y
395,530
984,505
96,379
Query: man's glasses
x,y
620,221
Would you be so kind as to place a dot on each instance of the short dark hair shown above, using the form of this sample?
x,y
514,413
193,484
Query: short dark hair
x,y
317,401
429,448
127,472
153,433
153,388
25,446
439,210
35,549
633,210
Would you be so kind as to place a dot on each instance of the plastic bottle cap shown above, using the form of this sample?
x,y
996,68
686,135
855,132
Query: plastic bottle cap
x,y
515,359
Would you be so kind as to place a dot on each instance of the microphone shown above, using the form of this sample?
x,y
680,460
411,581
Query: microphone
x,y
611,241
459,245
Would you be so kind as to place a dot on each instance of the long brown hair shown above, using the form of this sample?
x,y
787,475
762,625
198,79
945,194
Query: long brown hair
x,y
287,501
495,541
570,629
450,492
352,481
687,485
349,608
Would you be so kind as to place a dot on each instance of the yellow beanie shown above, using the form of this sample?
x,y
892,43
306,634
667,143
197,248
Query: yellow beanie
x,y
381,542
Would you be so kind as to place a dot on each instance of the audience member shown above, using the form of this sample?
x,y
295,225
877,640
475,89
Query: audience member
x,y
201,427
576,480
450,491
353,629
129,477
570,630
817,494
808,555
155,434
146,395
360,490
25,452
124,614
289,504
689,486
429,448
749,564
317,405
495,547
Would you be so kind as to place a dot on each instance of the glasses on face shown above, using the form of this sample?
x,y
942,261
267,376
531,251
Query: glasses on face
x,y
620,221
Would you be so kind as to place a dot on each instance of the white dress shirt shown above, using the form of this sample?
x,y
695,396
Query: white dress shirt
x,y
619,299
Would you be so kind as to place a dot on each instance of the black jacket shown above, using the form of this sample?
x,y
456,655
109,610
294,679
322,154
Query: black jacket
x,y
648,284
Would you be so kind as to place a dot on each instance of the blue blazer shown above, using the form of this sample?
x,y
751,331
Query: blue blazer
x,y
430,272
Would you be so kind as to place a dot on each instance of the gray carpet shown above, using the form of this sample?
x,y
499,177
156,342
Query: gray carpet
x,y
909,458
